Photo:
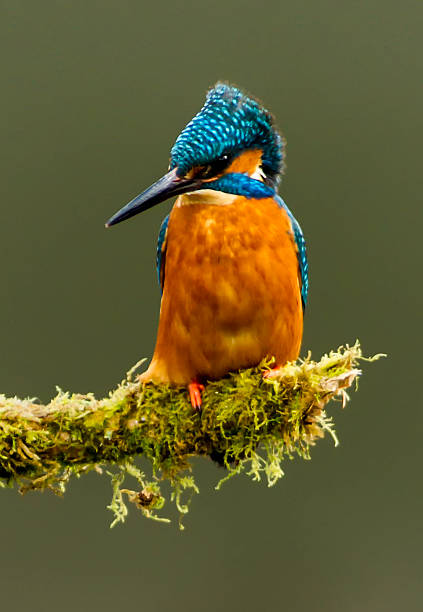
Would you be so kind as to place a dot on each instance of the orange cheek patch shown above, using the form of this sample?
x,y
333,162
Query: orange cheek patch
x,y
193,172
247,162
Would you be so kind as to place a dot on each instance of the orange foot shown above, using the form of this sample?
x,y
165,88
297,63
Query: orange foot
x,y
195,389
274,372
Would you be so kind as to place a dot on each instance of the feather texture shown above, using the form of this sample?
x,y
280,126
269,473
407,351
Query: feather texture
x,y
231,292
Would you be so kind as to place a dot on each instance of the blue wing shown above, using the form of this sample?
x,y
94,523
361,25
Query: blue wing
x,y
301,250
161,251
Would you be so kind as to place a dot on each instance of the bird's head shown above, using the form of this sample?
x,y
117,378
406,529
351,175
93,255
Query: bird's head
x,y
230,146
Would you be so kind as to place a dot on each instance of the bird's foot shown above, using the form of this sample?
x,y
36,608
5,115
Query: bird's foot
x,y
195,389
275,372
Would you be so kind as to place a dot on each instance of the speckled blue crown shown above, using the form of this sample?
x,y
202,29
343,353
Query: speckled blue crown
x,y
228,123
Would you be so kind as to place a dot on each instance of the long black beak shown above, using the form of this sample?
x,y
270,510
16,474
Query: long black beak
x,y
166,187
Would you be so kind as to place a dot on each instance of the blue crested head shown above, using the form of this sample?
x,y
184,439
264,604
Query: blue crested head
x,y
230,146
229,124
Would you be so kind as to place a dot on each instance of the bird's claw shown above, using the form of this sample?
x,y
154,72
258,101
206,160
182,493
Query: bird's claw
x,y
195,390
273,373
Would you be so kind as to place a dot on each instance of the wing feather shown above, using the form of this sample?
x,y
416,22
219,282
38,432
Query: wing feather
x,y
301,250
161,251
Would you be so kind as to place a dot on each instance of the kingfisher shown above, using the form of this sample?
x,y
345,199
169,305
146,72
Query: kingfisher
x,y
231,257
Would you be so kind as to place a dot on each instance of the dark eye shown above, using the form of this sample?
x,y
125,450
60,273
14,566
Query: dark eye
x,y
216,167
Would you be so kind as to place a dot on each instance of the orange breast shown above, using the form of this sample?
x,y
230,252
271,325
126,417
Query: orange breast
x,y
231,294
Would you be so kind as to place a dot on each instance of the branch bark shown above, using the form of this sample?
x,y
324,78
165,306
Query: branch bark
x,y
246,421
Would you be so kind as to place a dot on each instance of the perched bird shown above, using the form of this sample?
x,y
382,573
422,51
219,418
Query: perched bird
x,y
231,258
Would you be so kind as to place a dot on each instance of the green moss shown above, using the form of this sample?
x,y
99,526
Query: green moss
x,y
247,423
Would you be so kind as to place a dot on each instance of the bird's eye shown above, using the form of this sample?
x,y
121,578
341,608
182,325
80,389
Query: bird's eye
x,y
215,167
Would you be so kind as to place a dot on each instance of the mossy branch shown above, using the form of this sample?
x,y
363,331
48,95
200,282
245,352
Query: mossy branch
x,y
246,421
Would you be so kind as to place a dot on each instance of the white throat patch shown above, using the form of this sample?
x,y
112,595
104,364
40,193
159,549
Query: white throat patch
x,y
206,196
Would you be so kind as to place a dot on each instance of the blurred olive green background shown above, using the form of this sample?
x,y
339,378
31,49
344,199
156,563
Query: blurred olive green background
x,y
93,95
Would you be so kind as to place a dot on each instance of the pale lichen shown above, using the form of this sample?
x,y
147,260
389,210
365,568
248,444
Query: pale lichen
x,y
246,421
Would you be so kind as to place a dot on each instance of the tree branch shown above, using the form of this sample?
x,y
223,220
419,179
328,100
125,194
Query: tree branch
x,y
246,421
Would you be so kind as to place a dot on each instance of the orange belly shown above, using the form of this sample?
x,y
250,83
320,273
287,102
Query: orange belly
x,y
231,294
